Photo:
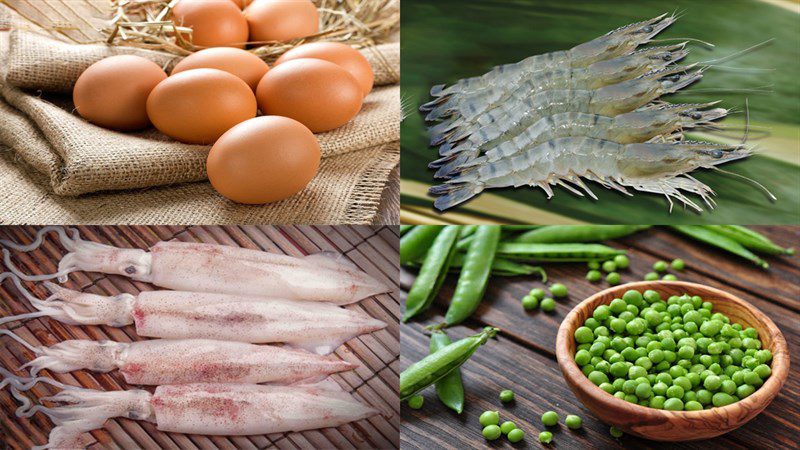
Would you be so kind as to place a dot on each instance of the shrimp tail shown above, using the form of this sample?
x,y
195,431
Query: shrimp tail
x,y
452,167
452,194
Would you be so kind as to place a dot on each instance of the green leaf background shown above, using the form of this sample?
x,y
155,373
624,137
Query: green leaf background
x,y
446,40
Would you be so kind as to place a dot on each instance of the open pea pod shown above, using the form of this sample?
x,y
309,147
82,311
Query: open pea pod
x,y
435,366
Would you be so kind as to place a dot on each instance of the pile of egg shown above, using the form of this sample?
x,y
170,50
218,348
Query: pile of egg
x,y
214,95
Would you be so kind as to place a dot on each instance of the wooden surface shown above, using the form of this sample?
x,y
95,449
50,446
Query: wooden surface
x,y
659,424
373,249
522,357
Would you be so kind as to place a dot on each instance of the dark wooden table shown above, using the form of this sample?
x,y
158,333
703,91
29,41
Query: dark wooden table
x,y
375,382
522,357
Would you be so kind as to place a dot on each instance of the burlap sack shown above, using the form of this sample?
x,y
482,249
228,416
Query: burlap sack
x,y
78,157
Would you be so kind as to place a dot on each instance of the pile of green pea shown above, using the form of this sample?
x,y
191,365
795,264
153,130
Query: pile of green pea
x,y
675,355
612,266
537,298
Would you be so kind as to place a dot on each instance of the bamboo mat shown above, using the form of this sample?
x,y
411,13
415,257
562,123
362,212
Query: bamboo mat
x,y
375,381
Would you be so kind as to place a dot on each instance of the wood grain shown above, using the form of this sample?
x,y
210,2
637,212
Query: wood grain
x,y
523,357
664,425
375,381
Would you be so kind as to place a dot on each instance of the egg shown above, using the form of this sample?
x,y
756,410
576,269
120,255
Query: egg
x,y
245,65
262,160
199,105
113,92
319,94
241,3
214,23
343,55
281,20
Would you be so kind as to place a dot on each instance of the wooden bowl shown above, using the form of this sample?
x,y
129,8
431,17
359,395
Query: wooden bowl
x,y
661,425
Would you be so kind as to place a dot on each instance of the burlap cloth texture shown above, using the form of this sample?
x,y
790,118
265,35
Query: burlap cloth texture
x,y
74,157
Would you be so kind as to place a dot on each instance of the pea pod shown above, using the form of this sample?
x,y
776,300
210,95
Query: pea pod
x,y
449,388
474,274
556,252
552,234
432,273
500,267
416,242
435,366
467,230
750,239
711,237
405,229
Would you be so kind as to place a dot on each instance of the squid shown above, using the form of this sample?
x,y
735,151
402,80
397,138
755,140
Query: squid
x,y
229,409
313,326
185,266
168,361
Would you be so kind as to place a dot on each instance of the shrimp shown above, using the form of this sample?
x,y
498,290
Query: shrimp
x,y
170,361
615,43
647,167
216,269
596,75
510,119
224,409
660,122
314,326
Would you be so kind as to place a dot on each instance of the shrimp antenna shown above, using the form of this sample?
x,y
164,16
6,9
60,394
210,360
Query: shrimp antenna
x,y
739,69
746,120
759,185
688,39
766,89
739,53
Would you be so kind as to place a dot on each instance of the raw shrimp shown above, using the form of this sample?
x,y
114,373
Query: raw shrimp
x,y
225,409
510,119
314,326
599,74
648,167
618,42
168,361
216,268
661,122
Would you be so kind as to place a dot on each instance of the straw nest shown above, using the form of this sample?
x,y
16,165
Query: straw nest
x,y
148,24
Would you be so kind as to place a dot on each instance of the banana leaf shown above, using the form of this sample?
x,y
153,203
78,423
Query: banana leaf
x,y
446,40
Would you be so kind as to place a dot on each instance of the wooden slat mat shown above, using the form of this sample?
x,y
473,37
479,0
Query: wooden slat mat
x,y
522,358
376,381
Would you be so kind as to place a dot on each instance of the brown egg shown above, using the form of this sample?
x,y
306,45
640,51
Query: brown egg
x,y
281,20
343,55
263,160
113,92
199,105
319,94
241,3
241,63
214,23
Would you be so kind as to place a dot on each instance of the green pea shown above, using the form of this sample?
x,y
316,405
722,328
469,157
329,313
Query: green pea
x,y
651,276
692,406
763,371
558,290
744,390
673,404
613,278
549,418
506,396
529,303
416,402
643,391
675,392
722,399
622,261
594,265
582,357
660,266
548,304
489,418
545,437
573,422
584,335
492,432
507,427
537,293
615,432
669,277
516,435
609,266
678,264
594,276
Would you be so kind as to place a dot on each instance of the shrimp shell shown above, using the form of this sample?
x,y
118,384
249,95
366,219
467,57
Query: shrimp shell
x,y
620,41
666,121
596,75
647,167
